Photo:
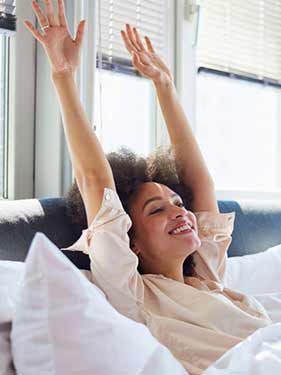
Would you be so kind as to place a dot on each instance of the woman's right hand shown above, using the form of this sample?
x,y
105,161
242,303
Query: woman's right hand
x,y
63,51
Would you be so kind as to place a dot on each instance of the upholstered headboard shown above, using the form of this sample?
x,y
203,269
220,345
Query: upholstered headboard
x,y
257,225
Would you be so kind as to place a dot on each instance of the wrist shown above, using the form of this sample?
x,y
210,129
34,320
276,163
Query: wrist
x,y
164,84
62,75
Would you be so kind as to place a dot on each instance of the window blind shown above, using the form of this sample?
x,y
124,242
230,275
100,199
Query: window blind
x,y
241,37
7,17
148,16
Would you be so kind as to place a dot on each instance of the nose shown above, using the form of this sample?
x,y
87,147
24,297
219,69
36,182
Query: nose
x,y
178,211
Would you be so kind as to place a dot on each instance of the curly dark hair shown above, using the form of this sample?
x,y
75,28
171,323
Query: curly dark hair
x,y
130,171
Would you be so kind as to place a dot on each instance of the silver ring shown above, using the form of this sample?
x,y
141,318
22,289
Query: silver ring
x,y
45,27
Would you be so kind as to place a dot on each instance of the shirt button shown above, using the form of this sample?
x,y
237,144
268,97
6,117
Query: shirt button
x,y
107,196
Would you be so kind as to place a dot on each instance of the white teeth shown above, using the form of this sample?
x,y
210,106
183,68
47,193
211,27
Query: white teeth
x,y
180,229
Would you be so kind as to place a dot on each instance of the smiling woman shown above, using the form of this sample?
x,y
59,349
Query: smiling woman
x,y
137,254
130,171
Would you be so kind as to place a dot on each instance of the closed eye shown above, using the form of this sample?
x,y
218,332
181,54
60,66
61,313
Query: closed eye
x,y
154,212
180,204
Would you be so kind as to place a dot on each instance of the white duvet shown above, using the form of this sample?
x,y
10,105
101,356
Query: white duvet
x,y
258,275
259,354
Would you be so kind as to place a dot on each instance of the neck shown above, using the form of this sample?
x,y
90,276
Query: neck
x,y
175,276
174,272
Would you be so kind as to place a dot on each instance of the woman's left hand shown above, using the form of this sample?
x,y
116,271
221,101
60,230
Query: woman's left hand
x,y
146,61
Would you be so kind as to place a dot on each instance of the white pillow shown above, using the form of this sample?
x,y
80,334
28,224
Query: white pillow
x,y
6,365
10,276
64,325
10,273
255,274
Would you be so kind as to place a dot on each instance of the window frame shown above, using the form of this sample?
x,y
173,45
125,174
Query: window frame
x,y
52,166
24,155
161,134
4,162
172,61
186,83
247,194
33,171
21,116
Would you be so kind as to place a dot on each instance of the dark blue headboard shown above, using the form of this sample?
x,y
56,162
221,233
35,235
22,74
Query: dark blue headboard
x,y
257,225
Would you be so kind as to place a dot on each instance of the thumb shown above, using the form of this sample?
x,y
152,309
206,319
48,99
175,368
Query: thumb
x,y
80,32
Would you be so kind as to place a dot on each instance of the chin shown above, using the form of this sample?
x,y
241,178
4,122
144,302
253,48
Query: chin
x,y
192,242
189,252
188,244
192,246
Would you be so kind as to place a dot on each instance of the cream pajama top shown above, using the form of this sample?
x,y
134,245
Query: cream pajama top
x,y
199,320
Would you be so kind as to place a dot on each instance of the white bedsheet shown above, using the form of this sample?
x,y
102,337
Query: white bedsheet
x,y
256,273
260,353
272,304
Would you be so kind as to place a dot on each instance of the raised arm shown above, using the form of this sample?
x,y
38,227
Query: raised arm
x,y
193,170
91,168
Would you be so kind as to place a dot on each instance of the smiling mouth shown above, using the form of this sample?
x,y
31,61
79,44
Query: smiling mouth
x,y
187,231
182,230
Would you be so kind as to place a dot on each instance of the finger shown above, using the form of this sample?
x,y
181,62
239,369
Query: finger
x,y
136,62
146,70
138,40
43,21
144,58
127,42
33,31
155,58
80,32
50,13
160,64
62,16
132,37
149,44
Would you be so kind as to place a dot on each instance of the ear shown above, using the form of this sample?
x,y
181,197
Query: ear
x,y
135,249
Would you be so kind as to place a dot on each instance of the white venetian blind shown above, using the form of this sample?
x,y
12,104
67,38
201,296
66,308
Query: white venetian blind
x,y
241,37
7,17
149,17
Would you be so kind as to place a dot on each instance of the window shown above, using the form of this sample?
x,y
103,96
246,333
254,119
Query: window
x,y
238,128
239,93
4,45
126,102
124,108
125,112
149,16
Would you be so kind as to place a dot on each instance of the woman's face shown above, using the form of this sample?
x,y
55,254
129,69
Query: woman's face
x,y
156,211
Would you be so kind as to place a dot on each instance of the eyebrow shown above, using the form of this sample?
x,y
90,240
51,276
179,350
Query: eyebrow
x,y
157,198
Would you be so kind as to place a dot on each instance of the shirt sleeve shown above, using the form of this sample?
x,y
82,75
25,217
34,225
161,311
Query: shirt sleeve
x,y
113,263
215,231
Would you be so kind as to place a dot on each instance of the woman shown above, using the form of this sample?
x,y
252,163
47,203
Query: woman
x,y
194,316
